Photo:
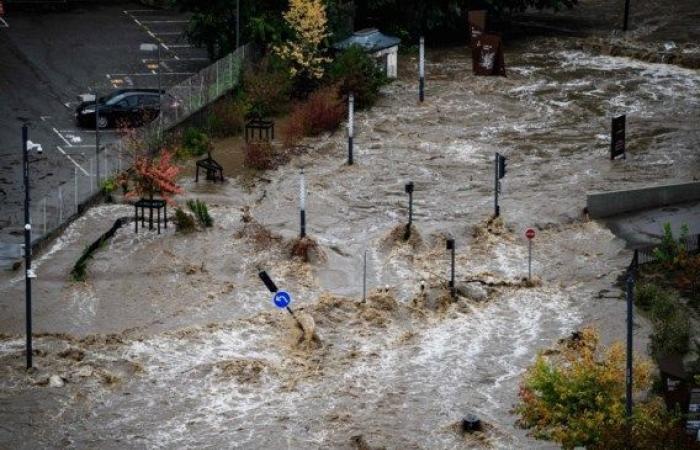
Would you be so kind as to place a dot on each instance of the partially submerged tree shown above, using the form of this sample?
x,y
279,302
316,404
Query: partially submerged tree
x,y
575,396
305,51
154,176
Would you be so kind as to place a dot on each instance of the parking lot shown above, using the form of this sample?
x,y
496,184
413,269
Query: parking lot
x,y
54,56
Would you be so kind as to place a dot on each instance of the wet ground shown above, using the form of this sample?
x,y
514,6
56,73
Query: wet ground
x,y
198,355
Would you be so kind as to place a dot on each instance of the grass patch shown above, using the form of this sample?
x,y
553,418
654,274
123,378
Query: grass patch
x,y
201,212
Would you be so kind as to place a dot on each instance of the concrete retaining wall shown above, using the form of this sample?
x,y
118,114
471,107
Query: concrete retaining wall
x,y
606,204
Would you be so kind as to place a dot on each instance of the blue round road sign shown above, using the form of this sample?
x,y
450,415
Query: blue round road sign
x,y
282,299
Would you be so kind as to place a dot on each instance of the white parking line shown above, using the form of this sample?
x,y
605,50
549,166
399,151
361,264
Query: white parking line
x,y
4,24
169,33
180,45
72,160
62,138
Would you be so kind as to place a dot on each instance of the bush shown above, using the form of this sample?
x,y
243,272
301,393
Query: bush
x,y
109,185
355,71
671,335
259,156
267,87
194,143
322,111
577,392
184,222
670,250
201,212
228,116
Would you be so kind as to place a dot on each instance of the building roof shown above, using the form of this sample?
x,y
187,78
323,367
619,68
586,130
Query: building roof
x,y
370,39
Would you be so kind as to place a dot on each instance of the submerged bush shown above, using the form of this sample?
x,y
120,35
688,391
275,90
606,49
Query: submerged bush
x,y
194,143
228,116
259,155
184,222
201,212
267,87
322,111
354,71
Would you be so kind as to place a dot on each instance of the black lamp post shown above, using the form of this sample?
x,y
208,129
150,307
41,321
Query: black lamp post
x,y
451,246
29,274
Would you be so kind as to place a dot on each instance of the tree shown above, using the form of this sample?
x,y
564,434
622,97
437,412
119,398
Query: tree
x,y
304,52
154,176
213,22
575,396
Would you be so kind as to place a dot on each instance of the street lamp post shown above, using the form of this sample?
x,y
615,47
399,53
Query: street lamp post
x,y
97,137
28,145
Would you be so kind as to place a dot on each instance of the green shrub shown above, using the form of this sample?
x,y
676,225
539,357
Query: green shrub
x,y
184,222
109,185
195,143
671,249
201,212
228,116
267,87
355,71
671,336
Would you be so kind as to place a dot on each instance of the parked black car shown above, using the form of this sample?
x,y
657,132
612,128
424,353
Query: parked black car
x,y
127,107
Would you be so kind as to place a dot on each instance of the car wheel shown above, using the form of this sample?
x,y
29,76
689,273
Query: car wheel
x,y
102,122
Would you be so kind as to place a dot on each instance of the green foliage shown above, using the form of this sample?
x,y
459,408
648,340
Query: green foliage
x,y
669,317
267,87
671,250
576,393
355,71
184,222
109,185
228,116
194,143
201,212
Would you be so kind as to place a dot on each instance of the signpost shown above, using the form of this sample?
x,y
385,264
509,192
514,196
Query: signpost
x,y
281,299
530,235
451,246
409,191
351,126
617,138
627,15
302,204
500,172
421,70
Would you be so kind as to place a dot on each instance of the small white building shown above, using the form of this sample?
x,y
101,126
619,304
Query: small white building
x,y
385,49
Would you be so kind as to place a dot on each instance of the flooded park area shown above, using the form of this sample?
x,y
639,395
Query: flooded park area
x,y
173,341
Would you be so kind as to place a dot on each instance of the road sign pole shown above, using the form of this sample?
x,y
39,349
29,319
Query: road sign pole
x,y
529,259
351,127
496,208
364,278
451,246
421,70
97,135
302,202
409,191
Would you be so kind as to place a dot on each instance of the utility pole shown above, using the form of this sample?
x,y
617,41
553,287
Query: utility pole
x,y
302,204
421,69
351,126
409,190
451,246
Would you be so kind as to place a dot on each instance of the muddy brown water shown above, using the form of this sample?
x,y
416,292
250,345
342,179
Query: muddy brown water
x,y
202,359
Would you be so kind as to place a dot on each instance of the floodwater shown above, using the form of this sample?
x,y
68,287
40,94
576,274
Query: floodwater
x,y
198,355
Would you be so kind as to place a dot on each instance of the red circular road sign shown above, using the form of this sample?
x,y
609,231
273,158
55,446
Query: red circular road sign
x,y
530,233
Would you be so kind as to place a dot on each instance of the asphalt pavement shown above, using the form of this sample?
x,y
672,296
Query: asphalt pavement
x,y
48,58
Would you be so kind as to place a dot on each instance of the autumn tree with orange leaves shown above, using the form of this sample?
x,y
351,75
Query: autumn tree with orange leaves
x,y
154,176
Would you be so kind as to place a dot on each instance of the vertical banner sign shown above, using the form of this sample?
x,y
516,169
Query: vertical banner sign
x,y
617,139
487,56
477,25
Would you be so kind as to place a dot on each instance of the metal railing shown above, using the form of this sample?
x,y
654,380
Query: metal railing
x,y
179,102
647,255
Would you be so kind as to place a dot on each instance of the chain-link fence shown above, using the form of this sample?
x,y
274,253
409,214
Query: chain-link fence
x,y
178,103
